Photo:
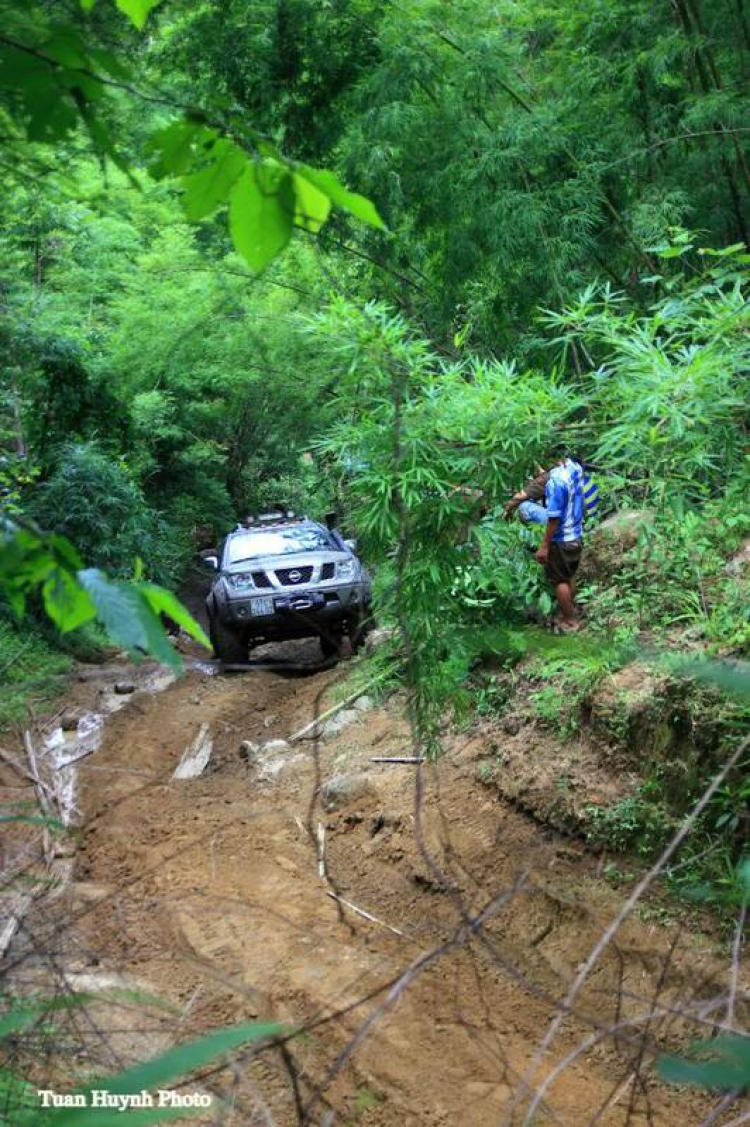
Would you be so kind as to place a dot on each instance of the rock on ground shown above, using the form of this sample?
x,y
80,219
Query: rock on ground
x,y
195,758
606,548
342,790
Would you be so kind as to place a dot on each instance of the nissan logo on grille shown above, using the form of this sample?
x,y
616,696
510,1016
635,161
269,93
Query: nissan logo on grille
x,y
295,576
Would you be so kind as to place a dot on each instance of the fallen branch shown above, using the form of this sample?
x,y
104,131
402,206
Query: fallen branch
x,y
366,915
413,759
43,792
309,731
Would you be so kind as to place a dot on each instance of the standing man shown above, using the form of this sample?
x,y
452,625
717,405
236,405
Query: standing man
x,y
562,546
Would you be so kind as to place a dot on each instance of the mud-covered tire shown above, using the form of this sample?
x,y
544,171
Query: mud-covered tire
x,y
228,645
330,645
360,626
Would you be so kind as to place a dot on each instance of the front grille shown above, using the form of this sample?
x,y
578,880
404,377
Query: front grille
x,y
301,575
260,579
328,571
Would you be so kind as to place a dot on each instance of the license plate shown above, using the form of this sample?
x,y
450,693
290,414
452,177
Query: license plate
x,y
261,606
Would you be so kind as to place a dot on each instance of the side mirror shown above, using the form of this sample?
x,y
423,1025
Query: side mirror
x,y
210,562
351,545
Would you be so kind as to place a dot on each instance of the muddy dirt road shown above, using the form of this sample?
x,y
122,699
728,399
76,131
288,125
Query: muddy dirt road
x,y
215,893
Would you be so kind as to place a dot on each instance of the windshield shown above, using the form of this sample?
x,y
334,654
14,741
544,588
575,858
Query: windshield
x,y
278,542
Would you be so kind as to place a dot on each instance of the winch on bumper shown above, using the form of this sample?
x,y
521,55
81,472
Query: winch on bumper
x,y
272,613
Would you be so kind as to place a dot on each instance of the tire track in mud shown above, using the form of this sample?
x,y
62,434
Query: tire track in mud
x,y
207,890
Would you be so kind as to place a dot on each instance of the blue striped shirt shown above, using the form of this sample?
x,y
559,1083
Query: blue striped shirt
x,y
564,499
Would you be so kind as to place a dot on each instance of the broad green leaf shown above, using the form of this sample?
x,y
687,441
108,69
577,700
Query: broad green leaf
x,y
108,62
723,1062
184,1059
127,617
174,148
261,212
312,206
66,602
163,601
49,117
330,185
137,11
67,48
116,608
209,188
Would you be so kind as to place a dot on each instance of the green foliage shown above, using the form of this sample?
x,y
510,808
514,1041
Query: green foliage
x,y
412,433
633,825
73,595
568,679
92,500
31,672
677,576
667,391
267,195
53,82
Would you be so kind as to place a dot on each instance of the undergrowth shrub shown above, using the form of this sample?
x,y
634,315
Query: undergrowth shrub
x,y
91,498
677,574
31,671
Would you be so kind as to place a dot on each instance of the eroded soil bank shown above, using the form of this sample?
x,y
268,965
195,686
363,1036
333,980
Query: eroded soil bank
x,y
218,893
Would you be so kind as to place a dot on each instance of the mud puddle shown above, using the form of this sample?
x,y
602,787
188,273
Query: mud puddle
x,y
421,946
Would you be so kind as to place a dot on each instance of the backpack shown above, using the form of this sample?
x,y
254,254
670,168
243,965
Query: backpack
x,y
590,496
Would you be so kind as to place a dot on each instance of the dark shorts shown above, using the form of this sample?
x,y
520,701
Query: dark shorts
x,y
563,560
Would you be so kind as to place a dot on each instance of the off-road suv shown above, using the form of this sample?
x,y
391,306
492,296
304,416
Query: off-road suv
x,y
282,577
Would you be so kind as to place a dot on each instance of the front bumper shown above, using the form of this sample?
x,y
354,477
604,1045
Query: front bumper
x,y
294,613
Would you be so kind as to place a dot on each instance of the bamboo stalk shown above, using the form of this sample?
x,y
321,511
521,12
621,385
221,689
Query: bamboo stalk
x,y
309,730
411,759
366,915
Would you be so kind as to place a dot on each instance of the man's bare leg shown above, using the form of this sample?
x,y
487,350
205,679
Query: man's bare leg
x,y
564,594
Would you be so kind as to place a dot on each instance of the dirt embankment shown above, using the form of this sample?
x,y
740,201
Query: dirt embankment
x,y
219,893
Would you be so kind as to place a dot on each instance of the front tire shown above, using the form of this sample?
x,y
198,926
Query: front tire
x,y
330,645
228,645
360,626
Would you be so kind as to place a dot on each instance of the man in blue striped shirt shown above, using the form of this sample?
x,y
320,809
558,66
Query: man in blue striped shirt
x,y
562,546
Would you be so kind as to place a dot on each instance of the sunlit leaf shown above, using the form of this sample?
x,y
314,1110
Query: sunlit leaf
x,y
127,617
209,188
22,1016
162,601
66,601
312,206
261,213
152,1074
174,148
330,185
137,11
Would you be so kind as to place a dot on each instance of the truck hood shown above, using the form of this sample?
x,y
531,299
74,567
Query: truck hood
x,y
291,560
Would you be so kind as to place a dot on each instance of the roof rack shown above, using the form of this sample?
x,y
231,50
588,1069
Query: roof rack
x,y
279,516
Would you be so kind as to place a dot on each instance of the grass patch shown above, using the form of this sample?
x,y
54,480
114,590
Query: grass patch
x,y
32,673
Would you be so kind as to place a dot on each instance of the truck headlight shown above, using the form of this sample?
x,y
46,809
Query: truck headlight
x,y
347,569
241,582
